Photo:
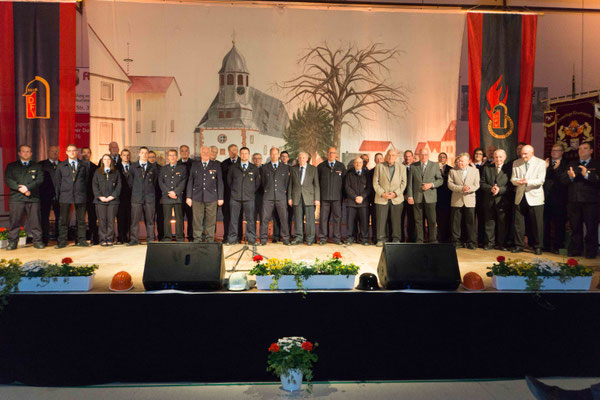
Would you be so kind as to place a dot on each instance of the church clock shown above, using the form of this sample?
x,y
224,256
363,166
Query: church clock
x,y
241,90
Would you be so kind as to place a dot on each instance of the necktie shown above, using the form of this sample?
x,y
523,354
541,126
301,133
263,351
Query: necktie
x,y
26,163
584,163
144,166
301,175
204,165
127,169
527,166
274,166
73,165
331,165
498,169
358,172
244,167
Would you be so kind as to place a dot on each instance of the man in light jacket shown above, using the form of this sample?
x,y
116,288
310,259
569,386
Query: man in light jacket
x,y
463,182
303,197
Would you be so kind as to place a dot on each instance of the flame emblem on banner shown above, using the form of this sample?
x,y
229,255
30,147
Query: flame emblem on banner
x,y
500,124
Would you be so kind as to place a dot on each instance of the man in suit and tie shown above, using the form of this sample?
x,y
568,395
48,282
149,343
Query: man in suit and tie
x,y
479,162
331,180
24,178
408,215
243,179
583,179
555,195
528,176
92,231
113,150
442,207
304,197
463,181
358,189
172,183
389,182
188,213
48,200
143,179
159,220
124,210
72,176
275,177
204,194
226,209
424,178
496,200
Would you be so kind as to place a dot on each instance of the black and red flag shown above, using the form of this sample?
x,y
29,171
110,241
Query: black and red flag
x,y
37,76
501,66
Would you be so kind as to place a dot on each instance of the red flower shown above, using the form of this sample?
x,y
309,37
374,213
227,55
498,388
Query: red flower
x,y
67,260
2,229
500,259
257,258
571,262
308,346
22,228
337,255
274,348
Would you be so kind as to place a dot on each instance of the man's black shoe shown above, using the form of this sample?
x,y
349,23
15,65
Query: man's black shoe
x,y
82,244
517,250
488,247
39,245
310,243
323,242
60,246
286,242
537,251
471,246
133,243
296,242
11,247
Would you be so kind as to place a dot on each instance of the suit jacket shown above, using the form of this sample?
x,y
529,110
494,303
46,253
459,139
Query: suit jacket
x,y
125,195
276,183
309,190
417,177
581,189
443,193
225,165
358,185
48,186
555,190
143,184
331,180
72,188
90,189
535,175
382,183
456,183
172,179
205,184
105,185
243,185
31,176
489,178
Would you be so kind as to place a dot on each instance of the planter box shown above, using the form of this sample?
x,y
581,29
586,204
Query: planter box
x,y
287,282
22,242
62,284
548,283
3,243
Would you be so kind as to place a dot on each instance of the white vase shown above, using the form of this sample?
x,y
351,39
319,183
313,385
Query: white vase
x,y
291,381
22,241
3,243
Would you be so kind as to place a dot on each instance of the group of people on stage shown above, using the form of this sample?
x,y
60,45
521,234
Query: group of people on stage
x,y
490,202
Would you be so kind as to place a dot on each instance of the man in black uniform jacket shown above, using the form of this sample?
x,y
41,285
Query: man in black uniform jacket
x,y
275,178
92,232
24,178
257,160
243,180
172,182
226,209
331,180
496,200
124,211
584,188
142,178
358,191
159,220
48,200
555,201
184,153
72,180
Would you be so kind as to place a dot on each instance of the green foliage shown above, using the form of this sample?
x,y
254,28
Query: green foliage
x,y
22,232
310,130
538,268
292,353
3,234
10,276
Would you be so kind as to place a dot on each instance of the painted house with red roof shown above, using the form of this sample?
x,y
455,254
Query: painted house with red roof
x,y
372,147
153,107
446,145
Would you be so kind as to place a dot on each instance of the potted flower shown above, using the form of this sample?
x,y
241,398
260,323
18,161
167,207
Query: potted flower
x,y
292,358
22,237
540,274
3,238
331,273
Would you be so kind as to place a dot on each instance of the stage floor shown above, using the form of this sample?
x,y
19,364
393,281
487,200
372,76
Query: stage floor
x,y
131,259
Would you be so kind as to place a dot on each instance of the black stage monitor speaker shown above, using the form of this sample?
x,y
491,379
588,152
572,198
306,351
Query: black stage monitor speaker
x,y
419,266
184,266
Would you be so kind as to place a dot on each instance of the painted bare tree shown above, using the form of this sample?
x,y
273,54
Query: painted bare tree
x,y
350,81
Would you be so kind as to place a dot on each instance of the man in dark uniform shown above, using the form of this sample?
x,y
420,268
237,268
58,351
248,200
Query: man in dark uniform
x,y
583,179
243,179
358,192
124,211
442,207
214,153
258,196
226,209
331,179
48,200
159,220
408,215
72,180
372,209
204,193
92,232
284,158
478,162
555,201
184,153
275,178
496,200
113,150
304,197
24,178
143,180
172,182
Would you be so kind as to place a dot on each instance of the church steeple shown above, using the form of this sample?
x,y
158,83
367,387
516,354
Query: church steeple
x,y
234,90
